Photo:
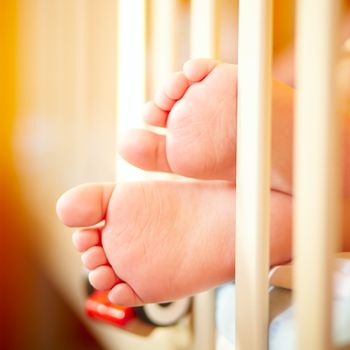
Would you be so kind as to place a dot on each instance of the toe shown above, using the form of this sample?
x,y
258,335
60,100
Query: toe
x,y
84,205
198,69
176,86
154,115
94,257
123,294
162,101
103,278
156,112
86,238
145,149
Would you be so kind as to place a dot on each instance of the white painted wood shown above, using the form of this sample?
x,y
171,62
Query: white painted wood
x,y
81,12
317,175
164,40
204,321
131,75
204,42
204,28
253,173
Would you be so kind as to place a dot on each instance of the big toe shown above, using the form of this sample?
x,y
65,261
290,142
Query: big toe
x,y
145,149
84,205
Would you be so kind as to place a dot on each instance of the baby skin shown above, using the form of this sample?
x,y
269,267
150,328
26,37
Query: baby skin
x,y
198,109
159,241
162,240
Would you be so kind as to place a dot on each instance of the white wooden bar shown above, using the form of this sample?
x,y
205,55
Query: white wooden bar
x,y
317,173
131,74
204,42
164,43
204,321
81,85
204,28
253,173
165,40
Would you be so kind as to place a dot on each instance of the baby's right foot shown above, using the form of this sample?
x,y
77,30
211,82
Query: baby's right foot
x,y
198,108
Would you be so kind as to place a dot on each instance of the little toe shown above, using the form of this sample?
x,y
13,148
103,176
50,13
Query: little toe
x,y
94,257
154,115
86,238
122,294
163,101
84,205
176,86
197,69
145,149
103,278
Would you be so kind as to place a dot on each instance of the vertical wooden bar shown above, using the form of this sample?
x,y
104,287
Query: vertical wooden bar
x,y
205,28
131,73
163,42
204,321
81,84
164,39
101,96
253,173
204,42
317,176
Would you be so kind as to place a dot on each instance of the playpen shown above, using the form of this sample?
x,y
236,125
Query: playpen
x,y
152,38
317,179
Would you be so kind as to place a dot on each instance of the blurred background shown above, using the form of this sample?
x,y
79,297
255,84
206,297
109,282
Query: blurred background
x,y
56,119
57,129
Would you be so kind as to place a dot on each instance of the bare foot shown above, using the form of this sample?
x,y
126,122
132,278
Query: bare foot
x,y
162,240
198,109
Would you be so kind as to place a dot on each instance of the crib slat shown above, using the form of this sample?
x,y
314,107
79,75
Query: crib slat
x,y
131,74
165,41
317,173
204,321
253,173
204,43
205,28
81,83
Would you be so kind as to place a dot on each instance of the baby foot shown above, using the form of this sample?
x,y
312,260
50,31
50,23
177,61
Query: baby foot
x,y
198,109
161,240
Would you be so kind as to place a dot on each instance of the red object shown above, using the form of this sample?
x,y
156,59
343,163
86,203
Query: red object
x,y
98,307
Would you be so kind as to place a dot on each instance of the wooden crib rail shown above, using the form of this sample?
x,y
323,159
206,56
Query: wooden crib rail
x,y
282,275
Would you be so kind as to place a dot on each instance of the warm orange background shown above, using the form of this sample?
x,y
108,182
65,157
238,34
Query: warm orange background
x,y
32,315
16,286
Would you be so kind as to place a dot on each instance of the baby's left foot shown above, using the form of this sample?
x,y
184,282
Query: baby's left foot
x,y
162,240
